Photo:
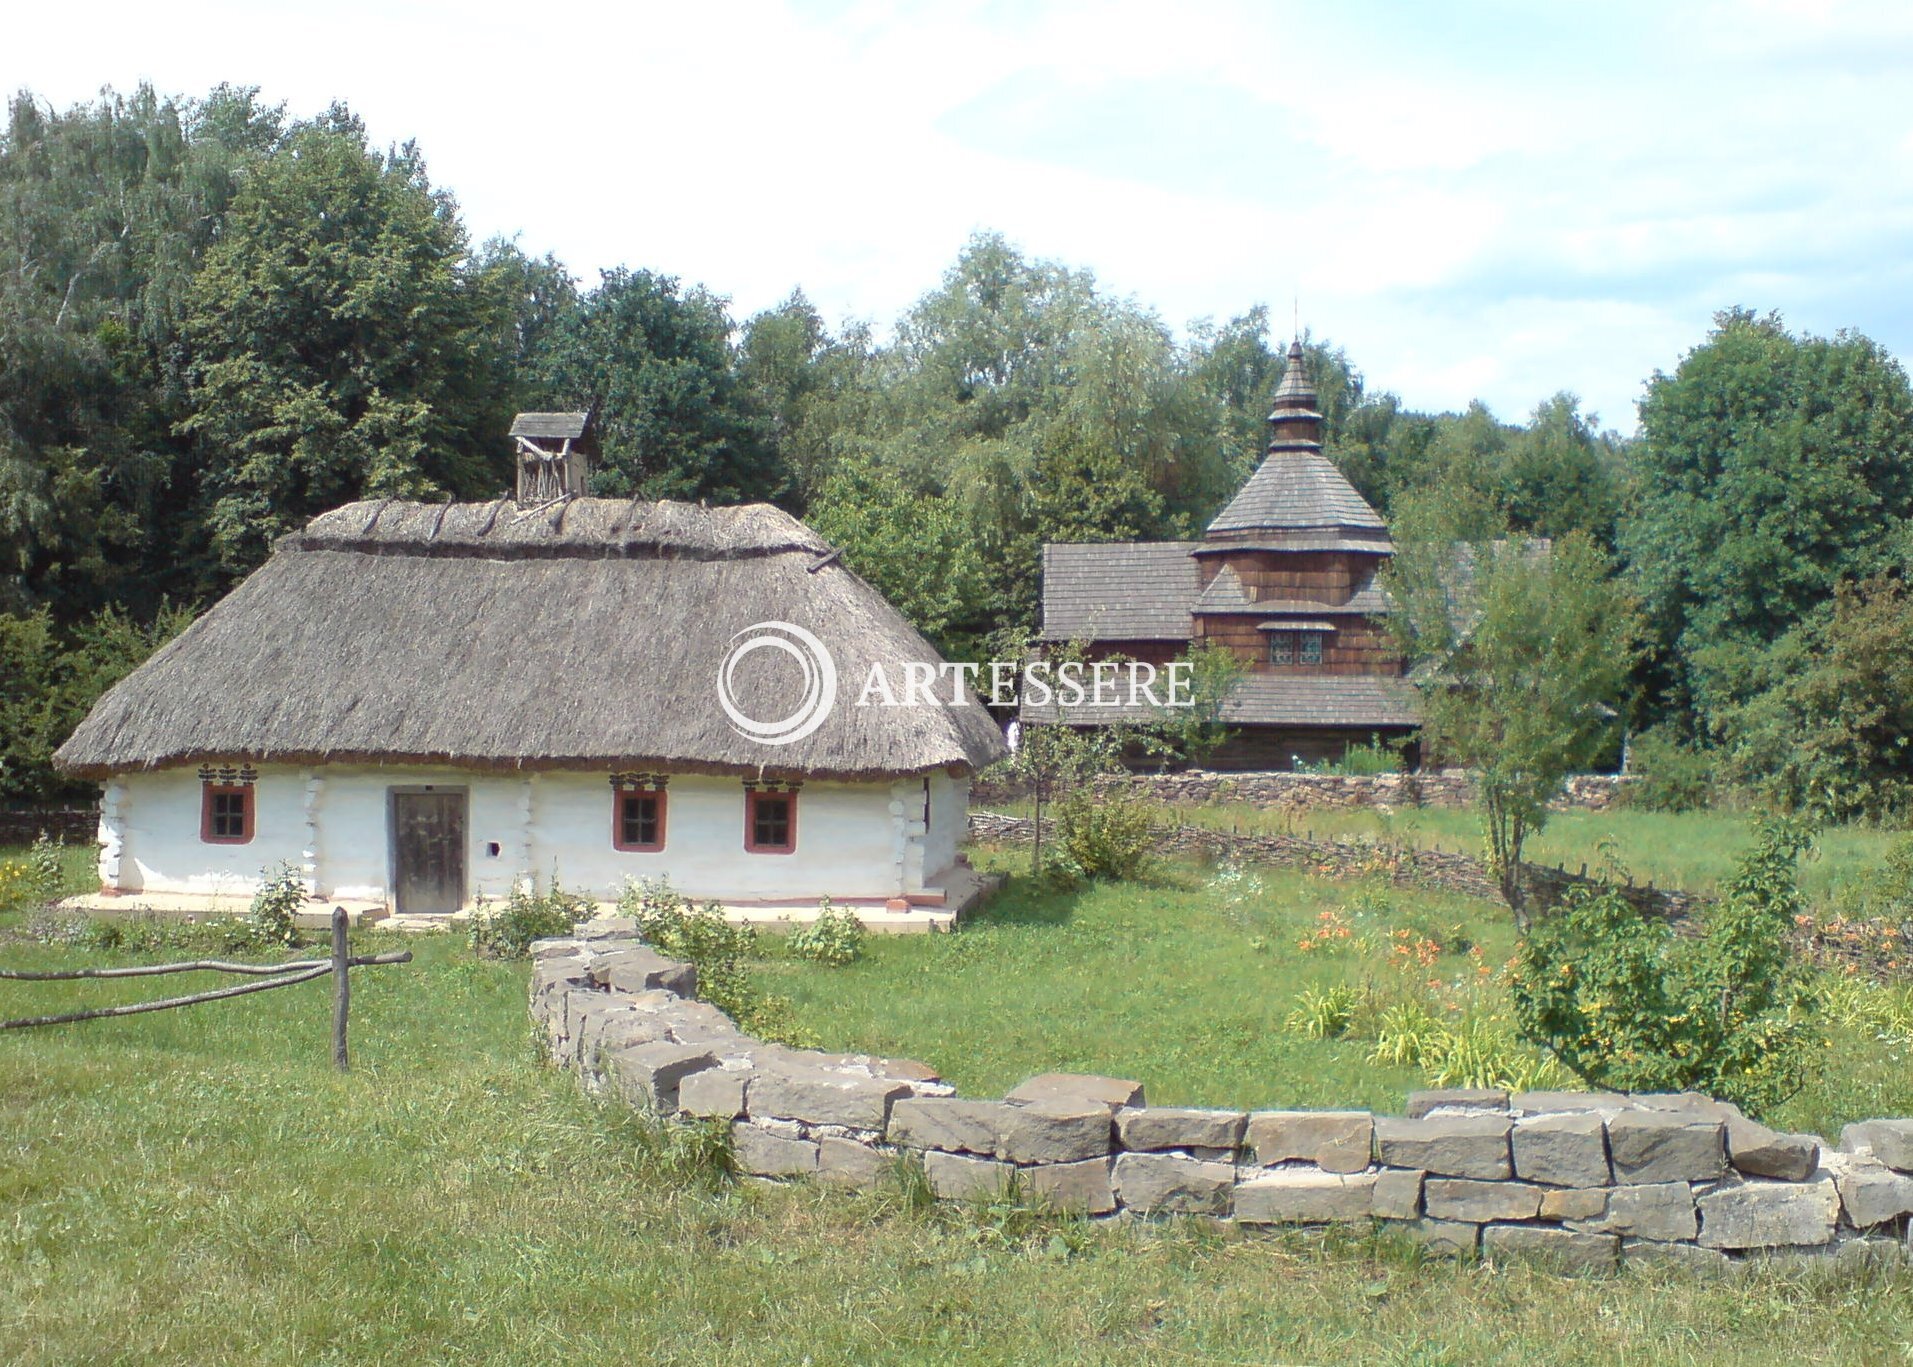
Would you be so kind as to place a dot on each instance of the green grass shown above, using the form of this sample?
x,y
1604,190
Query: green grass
x,y
1173,986
200,1187
1695,851
1166,983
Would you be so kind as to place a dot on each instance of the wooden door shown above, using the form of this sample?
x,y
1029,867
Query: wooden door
x,y
428,853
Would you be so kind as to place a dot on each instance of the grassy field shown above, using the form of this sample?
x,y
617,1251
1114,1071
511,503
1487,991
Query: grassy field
x,y
1691,850
201,1187
1186,988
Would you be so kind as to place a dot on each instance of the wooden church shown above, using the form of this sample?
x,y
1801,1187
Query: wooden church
x,y
1284,578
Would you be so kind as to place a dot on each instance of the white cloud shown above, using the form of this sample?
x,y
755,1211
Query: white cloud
x,y
1491,199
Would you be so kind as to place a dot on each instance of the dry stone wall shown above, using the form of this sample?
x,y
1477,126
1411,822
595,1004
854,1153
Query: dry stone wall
x,y
1443,870
1585,1180
1281,788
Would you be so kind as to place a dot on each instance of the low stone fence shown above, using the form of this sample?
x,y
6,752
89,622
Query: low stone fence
x,y
1584,1179
1273,788
1441,870
76,825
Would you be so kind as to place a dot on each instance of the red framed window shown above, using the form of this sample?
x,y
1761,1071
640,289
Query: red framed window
x,y
637,819
770,821
225,813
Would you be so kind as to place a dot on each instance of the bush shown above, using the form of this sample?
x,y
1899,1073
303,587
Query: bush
x,y
280,896
673,925
1627,1004
1100,838
526,916
1376,757
1668,774
835,938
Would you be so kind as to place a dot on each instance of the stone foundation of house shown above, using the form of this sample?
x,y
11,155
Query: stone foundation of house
x,y
1583,1180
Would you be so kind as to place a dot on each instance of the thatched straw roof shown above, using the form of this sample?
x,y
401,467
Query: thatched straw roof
x,y
586,634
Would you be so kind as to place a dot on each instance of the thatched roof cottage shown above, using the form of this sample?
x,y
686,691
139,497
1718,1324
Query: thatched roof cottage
x,y
422,705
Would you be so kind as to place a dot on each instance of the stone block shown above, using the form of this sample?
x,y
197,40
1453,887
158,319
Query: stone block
x,y
1462,1198
1692,1257
1055,1132
1456,1101
1574,1203
849,1163
1080,1188
1762,1214
819,1097
1697,1104
649,1074
1563,1150
1563,1103
1872,1195
719,1093
1890,1140
644,970
1661,1210
1563,1248
1754,1149
1336,1141
1304,1196
1077,1087
1442,1238
1397,1194
1156,1128
1168,1183
760,1153
949,1124
1447,1145
1665,1146
958,1177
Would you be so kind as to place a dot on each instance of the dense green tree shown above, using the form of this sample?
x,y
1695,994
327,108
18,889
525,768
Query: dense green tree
x,y
105,213
339,333
1770,468
1830,731
653,360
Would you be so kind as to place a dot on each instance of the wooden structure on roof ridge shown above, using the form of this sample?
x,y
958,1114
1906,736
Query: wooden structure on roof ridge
x,y
547,471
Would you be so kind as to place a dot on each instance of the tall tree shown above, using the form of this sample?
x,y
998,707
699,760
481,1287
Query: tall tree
x,y
1770,468
654,361
1521,653
341,343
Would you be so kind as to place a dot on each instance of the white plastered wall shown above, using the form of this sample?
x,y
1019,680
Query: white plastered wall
x,y
332,825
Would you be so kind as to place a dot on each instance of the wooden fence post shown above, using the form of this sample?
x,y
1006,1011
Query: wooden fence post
x,y
341,989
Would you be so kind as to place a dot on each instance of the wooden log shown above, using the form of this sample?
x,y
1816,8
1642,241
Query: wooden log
x,y
166,1004
196,966
341,988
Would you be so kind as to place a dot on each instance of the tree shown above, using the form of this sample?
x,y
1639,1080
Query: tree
x,y
1830,731
341,342
1770,467
1521,654
654,361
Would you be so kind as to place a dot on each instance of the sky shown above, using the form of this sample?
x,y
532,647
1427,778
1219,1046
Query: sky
x,y
1475,199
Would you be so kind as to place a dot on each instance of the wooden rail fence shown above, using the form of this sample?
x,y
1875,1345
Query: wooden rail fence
x,y
272,975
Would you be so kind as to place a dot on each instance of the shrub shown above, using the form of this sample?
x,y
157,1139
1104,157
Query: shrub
x,y
526,916
1668,774
1627,1004
835,938
281,893
1376,757
1100,838
700,935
